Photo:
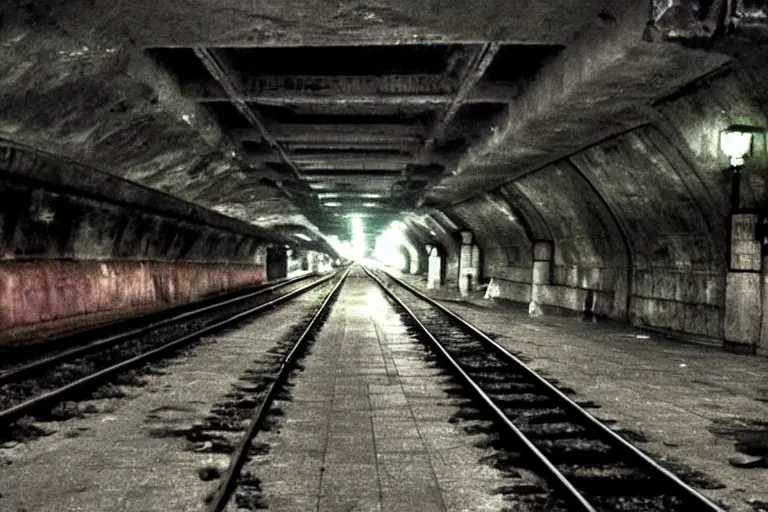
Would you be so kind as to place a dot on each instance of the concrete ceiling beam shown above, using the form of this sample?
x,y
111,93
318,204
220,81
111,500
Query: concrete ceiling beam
x,y
300,132
229,79
396,90
476,67
364,159
592,90
372,146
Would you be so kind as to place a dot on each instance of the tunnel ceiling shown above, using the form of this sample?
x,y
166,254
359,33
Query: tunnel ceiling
x,y
357,128
303,113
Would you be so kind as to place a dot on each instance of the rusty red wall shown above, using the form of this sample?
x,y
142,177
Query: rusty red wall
x,y
41,292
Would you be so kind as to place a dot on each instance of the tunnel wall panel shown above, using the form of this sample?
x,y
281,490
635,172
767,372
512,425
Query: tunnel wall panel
x,y
56,208
678,261
506,250
590,257
53,294
76,249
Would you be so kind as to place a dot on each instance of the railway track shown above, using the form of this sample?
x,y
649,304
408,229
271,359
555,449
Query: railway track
x,y
38,385
16,355
591,467
232,477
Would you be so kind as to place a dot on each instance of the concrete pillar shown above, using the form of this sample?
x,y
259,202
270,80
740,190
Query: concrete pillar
x,y
476,260
415,258
744,285
542,275
762,347
434,269
314,261
469,263
260,255
277,263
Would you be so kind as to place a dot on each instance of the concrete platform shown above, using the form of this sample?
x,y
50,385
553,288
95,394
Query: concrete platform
x,y
692,402
367,427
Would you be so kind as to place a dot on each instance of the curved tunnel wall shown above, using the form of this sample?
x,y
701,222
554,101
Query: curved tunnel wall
x,y
440,231
678,257
505,246
629,202
590,260
640,219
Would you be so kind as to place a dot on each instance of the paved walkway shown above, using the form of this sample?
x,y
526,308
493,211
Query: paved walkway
x,y
368,424
693,402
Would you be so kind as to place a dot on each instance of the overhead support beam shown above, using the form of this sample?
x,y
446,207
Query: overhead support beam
x,y
351,85
354,155
474,73
392,90
364,164
306,132
354,194
229,79
370,175
338,162
373,146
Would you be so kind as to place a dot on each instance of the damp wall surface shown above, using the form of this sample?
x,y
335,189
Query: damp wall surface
x,y
639,223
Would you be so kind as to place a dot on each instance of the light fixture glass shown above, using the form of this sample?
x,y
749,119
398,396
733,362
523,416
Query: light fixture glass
x,y
736,143
332,204
370,205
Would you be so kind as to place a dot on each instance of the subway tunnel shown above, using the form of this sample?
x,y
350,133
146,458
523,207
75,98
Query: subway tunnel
x,y
558,169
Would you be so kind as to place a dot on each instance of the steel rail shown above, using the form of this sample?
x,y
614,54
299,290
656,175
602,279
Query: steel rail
x,y
229,480
571,493
11,414
687,491
41,364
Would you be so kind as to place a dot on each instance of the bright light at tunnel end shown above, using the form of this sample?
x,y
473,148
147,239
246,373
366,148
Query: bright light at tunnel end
x,y
358,238
355,248
391,246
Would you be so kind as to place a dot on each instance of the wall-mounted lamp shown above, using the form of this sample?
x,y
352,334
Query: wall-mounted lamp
x,y
736,143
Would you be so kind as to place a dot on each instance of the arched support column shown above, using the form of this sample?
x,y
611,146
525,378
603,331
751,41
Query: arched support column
x,y
277,262
434,269
541,276
469,263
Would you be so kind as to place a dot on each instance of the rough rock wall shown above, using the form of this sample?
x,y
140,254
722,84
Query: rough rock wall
x,y
97,98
